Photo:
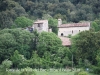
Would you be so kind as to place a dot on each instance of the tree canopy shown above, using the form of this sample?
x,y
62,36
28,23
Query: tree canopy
x,y
86,46
23,22
68,10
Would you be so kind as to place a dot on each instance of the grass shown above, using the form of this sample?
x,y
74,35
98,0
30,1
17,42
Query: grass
x,y
56,72
49,72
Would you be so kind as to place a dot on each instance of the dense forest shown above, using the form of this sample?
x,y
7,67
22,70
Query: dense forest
x,y
68,10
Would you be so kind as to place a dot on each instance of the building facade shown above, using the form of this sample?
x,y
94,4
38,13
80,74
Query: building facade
x,y
71,28
41,25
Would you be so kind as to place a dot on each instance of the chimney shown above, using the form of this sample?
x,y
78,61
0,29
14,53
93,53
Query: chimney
x,y
59,22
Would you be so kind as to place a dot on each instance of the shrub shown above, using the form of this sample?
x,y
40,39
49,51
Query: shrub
x,y
28,71
76,73
6,64
81,73
96,70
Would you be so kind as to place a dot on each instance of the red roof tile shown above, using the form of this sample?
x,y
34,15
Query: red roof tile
x,y
65,41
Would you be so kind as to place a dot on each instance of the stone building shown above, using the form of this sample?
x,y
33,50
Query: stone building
x,y
72,28
41,25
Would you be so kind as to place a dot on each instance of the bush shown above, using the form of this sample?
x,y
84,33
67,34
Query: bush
x,y
96,70
76,73
28,71
6,64
81,73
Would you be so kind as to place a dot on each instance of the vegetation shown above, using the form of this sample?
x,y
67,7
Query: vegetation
x,y
24,50
68,10
23,22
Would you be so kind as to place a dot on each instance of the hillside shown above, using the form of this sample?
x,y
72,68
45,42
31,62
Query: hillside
x,y
68,10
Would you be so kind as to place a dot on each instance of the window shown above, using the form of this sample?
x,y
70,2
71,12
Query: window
x,y
38,25
72,31
61,34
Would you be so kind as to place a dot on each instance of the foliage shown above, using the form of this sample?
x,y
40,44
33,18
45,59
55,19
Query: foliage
x,y
48,42
33,49
47,49
53,23
35,61
28,71
83,73
96,69
6,64
86,46
23,22
18,60
95,26
9,11
6,43
15,39
70,10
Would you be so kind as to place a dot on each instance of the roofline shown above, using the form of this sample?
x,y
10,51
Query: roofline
x,y
69,25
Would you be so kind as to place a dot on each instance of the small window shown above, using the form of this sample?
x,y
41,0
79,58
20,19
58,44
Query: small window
x,y
38,25
62,34
79,30
72,31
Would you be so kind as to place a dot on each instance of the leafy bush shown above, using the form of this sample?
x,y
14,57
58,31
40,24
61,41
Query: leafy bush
x,y
28,71
81,73
76,73
96,70
6,64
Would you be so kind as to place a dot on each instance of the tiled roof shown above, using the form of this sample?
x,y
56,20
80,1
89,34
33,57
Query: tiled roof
x,y
41,21
83,24
65,41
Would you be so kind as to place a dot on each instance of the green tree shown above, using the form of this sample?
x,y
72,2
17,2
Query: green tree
x,y
35,61
98,59
95,26
9,11
15,39
23,22
86,46
47,48
53,23
4,67
48,42
7,45
17,59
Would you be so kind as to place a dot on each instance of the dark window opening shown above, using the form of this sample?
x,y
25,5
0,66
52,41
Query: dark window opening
x,y
61,34
72,31
38,25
